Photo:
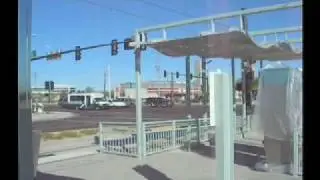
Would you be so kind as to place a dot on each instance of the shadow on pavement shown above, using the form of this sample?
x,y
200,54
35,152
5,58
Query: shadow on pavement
x,y
245,155
46,176
150,173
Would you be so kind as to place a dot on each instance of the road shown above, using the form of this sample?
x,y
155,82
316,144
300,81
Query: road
x,y
90,119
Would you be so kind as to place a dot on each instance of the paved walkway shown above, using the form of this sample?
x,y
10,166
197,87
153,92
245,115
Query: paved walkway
x,y
177,165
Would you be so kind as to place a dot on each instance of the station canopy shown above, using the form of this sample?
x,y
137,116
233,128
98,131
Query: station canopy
x,y
234,44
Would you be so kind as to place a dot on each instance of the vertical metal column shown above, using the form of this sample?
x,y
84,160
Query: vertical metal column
x,y
233,83
204,80
244,28
104,83
224,125
171,87
138,103
25,143
188,85
261,66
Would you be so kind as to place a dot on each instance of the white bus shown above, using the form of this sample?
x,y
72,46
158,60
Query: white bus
x,y
76,100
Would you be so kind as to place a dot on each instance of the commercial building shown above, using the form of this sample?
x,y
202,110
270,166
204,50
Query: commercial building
x,y
156,89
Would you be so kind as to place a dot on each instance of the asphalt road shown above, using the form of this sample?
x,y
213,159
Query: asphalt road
x,y
90,119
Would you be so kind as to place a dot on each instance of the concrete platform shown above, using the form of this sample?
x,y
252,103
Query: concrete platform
x,y
176,165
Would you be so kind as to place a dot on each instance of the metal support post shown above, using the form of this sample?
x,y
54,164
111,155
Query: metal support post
x,y
104,83
224,126
26,166
171,87
138,103
233,83
244,28
261,66
204,80
49,95
188,85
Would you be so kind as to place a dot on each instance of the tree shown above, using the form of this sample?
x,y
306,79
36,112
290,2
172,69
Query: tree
x,y
89,89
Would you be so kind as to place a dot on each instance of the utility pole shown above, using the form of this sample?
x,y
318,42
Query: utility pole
x,y
104,82
188,81
49,94
171,87
35,79
109,81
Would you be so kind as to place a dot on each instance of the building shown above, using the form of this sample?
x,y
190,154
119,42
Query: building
x,y
58,89
155,89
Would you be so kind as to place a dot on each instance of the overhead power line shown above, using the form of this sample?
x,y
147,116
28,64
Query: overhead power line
x,y
118,10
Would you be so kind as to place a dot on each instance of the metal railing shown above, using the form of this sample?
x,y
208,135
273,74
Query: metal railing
x,y
158,136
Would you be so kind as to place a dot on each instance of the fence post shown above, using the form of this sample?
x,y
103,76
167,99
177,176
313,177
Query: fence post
x,y
173,134
101,139
189,137
144,141
198,131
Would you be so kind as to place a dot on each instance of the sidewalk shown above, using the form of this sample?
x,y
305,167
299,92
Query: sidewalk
x,y
176,165
52,146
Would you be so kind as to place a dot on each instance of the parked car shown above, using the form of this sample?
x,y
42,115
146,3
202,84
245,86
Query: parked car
x,y
118,104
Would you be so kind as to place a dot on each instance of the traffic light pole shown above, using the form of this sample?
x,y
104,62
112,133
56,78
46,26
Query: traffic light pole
x,y
188,85
139,127
49,94
73,50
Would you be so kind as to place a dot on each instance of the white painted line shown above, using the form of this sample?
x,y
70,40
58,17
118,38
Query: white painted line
x,y
65,156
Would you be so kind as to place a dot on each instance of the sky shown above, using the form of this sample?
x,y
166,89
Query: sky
x,y
64,24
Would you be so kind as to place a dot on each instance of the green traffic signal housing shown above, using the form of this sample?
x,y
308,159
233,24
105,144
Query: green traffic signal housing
x,y
77,53
49,85
127,42
177,75
165,73
114,47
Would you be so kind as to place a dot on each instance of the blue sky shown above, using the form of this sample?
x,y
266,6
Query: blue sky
x,y
64,24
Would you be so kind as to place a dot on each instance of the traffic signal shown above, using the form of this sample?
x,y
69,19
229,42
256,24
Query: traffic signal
x,y
177,75
191,76
127,42
165,73
144,39
33,53
77,53
49,85
54,56
114,47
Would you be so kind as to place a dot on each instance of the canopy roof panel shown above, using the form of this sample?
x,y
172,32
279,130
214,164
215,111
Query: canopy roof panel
x,y
225,45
